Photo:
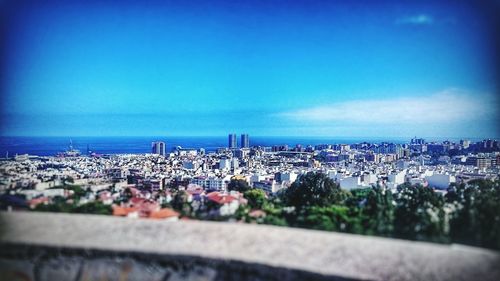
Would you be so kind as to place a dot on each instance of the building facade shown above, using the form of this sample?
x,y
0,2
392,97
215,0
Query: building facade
x,y
158,147
245,141
232,141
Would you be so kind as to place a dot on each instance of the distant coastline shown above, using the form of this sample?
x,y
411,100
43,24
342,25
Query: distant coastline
x,y
50,146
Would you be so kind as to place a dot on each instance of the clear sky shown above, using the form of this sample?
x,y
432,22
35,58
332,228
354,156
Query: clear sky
x,y
295,68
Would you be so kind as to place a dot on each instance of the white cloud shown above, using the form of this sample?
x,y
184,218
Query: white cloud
x,y
448,106
420,19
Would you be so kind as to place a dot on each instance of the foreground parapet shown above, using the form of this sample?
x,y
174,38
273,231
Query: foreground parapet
x,y
46,246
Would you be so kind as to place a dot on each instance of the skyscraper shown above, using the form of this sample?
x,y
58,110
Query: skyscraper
x,y
245,141
417,141
232,141
158,147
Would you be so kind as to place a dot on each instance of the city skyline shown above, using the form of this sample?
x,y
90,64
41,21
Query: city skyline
x,y
268,68
50,146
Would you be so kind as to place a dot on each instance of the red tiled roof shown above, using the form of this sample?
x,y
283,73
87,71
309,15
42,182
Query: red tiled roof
x,y
137,200
34,202
149,206
219,198
213,193
163,214
123,211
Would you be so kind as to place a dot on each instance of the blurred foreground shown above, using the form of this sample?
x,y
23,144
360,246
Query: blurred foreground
x,y
48,246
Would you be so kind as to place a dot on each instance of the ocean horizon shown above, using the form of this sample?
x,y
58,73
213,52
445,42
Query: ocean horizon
x,y
52,145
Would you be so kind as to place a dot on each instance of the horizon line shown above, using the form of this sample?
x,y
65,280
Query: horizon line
x,y
250,135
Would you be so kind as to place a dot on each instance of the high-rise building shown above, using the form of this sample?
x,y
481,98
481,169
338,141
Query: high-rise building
x,y
415,140
465,143
245,141
158,147
232,141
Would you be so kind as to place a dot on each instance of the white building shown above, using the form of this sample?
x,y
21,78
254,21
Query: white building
x,y
369,179
440,181
212,183
235,163
224,164
269,186
350,183
397,178
190,165
288,176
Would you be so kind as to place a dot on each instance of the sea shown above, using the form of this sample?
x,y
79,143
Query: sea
x,y
50,146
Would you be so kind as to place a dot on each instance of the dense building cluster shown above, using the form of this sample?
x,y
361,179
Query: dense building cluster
x,y
140,184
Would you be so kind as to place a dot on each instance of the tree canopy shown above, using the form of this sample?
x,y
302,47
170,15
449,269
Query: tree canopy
x,y
314,189
256,198
238,185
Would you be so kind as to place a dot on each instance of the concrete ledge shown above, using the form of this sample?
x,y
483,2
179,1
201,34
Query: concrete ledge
x,y
224,251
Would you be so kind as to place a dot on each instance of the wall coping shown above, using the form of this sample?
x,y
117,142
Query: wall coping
x,y
320,252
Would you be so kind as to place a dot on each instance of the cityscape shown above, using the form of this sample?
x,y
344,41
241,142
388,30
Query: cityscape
x,y
249,140
273,168
191,183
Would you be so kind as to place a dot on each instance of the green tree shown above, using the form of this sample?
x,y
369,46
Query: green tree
x,y
378,211
358,197
256,198
127,194
180,203
95,207
58,205
331,218
241,213
238,185
475,217
314,189
275,220
275,214
419,214
78,191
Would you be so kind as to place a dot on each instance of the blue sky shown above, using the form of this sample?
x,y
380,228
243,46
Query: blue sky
x,y
305,68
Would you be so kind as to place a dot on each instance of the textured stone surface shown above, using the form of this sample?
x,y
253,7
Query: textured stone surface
x,y
109,248
59,268
16,269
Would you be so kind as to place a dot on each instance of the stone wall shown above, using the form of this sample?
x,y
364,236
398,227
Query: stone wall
x,y
21,262
45,246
